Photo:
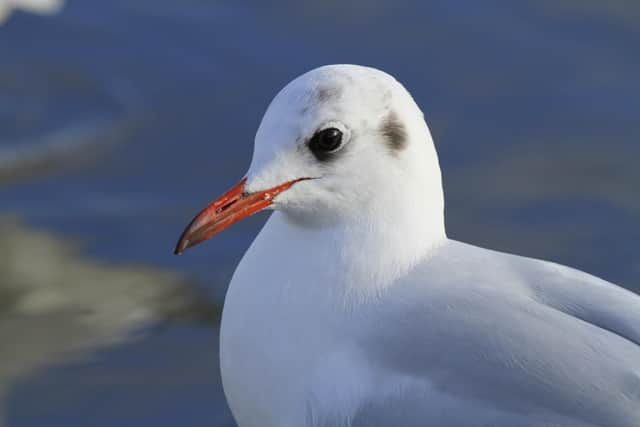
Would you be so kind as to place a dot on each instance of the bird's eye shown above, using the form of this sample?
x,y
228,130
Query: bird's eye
x,y
325,141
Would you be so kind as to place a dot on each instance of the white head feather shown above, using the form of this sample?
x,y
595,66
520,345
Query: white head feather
x,y
382,187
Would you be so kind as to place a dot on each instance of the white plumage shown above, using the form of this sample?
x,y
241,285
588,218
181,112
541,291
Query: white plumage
x,y
353,308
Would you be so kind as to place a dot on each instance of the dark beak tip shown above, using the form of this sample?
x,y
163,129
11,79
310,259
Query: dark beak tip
x,y
182,246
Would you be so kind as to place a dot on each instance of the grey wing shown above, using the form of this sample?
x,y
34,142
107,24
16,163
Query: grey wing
x,y
588,298
451,411
556,347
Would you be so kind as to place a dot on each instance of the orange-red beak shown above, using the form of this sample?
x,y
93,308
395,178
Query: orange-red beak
x,y
228,209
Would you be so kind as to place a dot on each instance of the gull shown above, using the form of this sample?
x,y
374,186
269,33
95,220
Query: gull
x,y
352,307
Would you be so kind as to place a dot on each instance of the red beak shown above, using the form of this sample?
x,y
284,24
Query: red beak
x,y
228,209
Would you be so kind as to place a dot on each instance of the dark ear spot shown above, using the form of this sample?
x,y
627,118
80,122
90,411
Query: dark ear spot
x,y
324,94
394,131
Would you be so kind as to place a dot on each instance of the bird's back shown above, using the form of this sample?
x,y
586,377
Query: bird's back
x,y
485,338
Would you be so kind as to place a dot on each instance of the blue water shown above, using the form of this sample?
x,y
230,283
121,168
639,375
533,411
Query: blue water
x,y
533,105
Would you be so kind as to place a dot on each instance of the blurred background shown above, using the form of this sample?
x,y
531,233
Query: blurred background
x,y
119,119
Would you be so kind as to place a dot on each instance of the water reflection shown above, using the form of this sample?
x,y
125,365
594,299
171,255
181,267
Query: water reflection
x,y
46,7
57,305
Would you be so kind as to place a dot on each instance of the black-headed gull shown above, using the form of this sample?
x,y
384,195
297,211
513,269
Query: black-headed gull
x,y
353,308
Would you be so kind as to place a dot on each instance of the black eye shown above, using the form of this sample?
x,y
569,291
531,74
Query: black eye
x,y
325,141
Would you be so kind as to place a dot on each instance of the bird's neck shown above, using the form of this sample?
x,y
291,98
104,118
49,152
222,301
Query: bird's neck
x,y
369,253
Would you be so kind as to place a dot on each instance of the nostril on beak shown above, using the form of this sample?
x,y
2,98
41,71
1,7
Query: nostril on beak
x,y
225,207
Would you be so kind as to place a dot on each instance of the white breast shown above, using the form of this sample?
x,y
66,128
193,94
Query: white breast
x,y
280,333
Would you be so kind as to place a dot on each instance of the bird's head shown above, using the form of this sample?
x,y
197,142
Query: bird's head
x,y
336,144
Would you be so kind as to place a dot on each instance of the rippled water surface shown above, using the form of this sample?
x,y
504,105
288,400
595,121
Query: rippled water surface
x,y
119,119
